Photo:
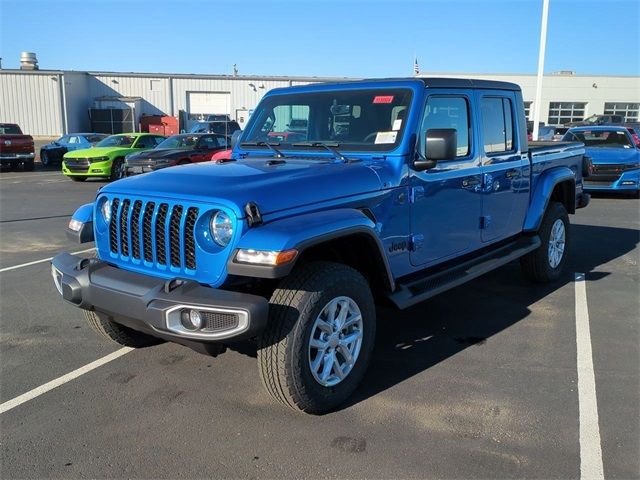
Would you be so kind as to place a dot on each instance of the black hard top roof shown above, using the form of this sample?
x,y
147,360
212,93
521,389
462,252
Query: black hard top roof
x,y
440,82
468,83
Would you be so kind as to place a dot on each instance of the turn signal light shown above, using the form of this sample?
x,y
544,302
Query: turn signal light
x,y
266,257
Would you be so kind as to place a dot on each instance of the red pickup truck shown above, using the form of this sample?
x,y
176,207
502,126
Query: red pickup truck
x,y
15,148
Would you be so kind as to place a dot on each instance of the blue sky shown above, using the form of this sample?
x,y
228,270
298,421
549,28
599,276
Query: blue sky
x,y
323,37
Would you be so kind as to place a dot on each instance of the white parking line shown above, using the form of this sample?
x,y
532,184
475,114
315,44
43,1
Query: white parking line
x,y
36,392
590,446
35,262
35,175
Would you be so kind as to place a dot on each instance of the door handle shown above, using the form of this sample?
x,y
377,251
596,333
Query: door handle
x,y
512,173
470,182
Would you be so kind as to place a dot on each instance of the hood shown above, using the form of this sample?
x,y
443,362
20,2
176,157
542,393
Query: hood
x,y
607,156
157,153
97,152
273,188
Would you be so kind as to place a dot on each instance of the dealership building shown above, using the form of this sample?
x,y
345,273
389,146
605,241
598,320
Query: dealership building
x,y
55,102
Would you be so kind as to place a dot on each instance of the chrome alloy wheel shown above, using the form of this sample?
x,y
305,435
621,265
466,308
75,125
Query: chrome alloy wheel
x,y
336,338
556,243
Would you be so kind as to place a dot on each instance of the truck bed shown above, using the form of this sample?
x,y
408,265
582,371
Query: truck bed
x,y
541,147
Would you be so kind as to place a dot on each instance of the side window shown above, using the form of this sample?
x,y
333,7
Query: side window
x,y
447,112
158,140
497,124
208,142
74,140
146,142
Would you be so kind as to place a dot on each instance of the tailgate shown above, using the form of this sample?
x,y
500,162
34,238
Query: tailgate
x,y
16,144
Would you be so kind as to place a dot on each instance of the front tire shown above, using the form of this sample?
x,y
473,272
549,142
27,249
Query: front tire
x,y
546,263
318,342
117,169
120,334
44,158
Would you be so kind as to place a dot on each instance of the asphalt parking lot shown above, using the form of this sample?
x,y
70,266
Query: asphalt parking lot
x,y
480,382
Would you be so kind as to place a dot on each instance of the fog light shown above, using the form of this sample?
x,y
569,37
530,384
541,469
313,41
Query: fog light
x,y
57,279
191,319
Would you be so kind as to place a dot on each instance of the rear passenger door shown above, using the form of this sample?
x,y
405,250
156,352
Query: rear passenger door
x,y
505,168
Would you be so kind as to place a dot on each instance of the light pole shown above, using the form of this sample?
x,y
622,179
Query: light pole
x,y
543,42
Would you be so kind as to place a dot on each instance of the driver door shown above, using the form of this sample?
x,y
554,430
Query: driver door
x,y
447,199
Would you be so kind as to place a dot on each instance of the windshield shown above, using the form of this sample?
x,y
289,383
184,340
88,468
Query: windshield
x,y
179,141
353,119
117,141
599,138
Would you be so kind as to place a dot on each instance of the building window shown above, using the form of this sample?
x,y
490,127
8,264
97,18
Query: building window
x,y
527,109
155,85
561,113
628,110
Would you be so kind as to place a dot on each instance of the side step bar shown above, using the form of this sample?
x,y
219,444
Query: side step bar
x,y
417,290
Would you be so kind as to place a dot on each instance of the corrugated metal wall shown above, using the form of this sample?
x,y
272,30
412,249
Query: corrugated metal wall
x,y
245,94
78,101
154,91
32,101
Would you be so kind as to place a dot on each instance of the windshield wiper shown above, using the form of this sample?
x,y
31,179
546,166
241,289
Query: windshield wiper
x,y
271,145
332,147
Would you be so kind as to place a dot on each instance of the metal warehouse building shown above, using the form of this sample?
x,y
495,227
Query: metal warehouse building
x,y
51,102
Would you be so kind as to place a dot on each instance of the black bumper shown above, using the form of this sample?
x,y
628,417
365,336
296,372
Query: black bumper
x,y
147,304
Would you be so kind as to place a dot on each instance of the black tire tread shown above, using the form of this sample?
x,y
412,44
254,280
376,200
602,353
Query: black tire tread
x,y
118,333
274,344
535,264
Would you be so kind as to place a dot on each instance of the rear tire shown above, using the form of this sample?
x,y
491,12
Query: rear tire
x,y
546,263
75,178
120,334
311,358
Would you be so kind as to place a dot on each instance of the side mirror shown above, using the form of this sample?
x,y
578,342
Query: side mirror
x,y
440,144
234,138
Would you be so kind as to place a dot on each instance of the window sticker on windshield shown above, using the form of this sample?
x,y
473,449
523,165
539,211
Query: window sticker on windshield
x,y
397,124
386,137
383,99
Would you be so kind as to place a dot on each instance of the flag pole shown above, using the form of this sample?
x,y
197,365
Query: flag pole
x,y
537,107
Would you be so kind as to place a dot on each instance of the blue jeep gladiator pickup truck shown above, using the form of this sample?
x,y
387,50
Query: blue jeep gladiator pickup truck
x,y
395,191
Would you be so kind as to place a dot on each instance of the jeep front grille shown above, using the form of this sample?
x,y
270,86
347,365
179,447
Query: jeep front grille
x,y
153,232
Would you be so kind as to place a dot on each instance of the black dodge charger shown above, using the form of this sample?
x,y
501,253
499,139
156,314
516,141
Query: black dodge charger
x,y
176,150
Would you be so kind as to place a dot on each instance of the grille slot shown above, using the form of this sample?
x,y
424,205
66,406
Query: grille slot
x,y
215,321
159,233
135,228
189,238
174,235
113,226
146,231
124,228
161,244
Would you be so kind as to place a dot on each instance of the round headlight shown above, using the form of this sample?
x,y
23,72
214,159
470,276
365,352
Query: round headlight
x,y
221,228
106,210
